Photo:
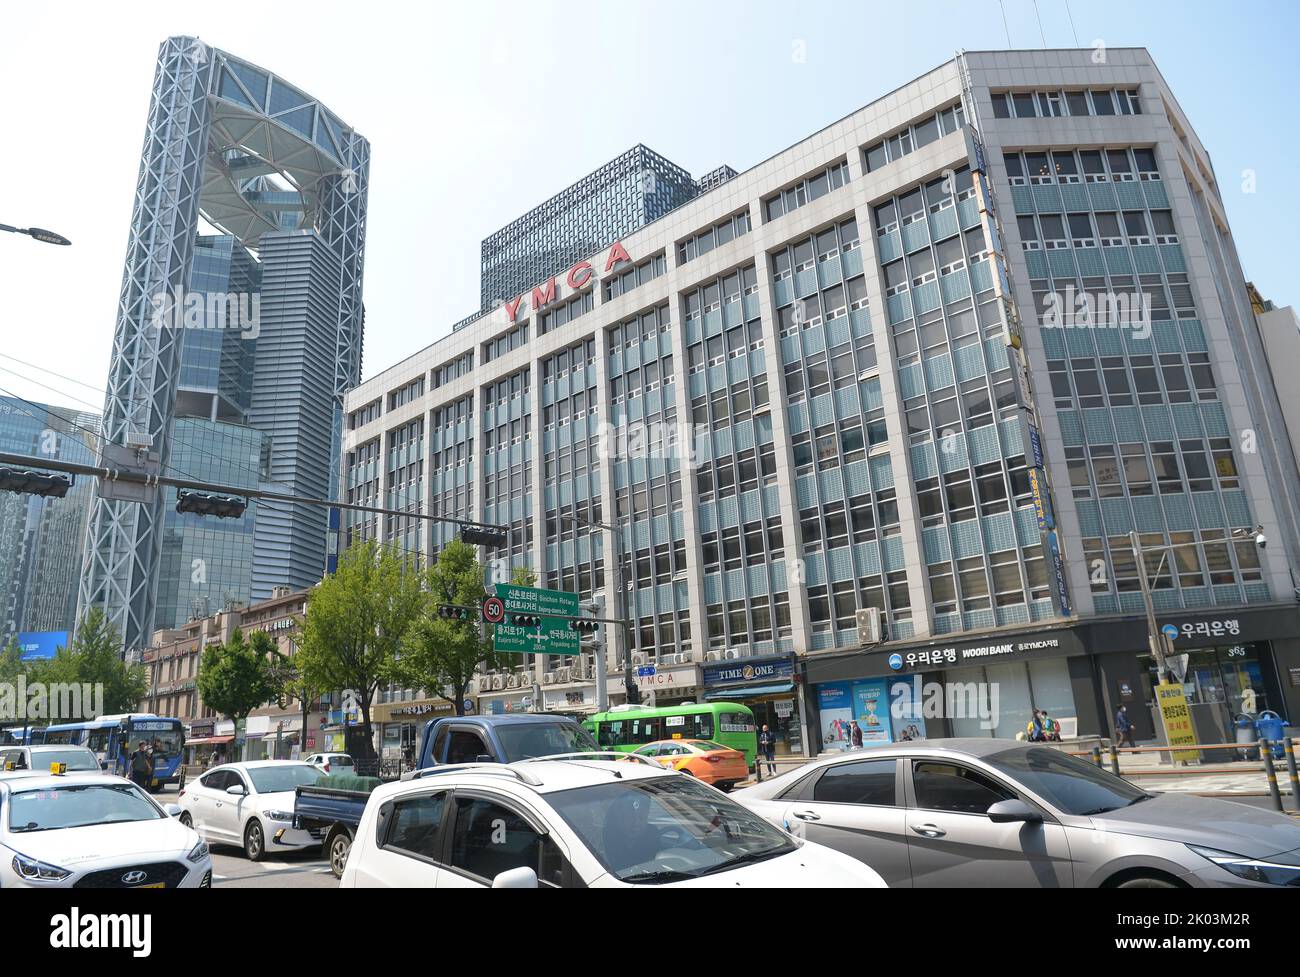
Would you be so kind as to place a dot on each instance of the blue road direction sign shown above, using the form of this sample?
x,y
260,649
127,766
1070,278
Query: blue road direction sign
x,y
553,636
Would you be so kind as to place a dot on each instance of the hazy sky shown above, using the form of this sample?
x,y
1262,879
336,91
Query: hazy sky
x,y
476,112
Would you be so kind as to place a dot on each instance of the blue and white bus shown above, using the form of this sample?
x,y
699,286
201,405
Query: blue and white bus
x,y
17,735
114,738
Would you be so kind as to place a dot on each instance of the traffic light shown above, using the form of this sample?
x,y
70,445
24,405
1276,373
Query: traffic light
x,y
34,483
490,536
453,612
525,620
633,692
204,504
584,626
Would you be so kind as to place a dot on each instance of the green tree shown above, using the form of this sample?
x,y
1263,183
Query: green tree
x,y
441,655
94,657
238,676
356,621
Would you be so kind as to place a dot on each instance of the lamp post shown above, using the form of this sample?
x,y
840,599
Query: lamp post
x,y
1156,640
38,233
616,529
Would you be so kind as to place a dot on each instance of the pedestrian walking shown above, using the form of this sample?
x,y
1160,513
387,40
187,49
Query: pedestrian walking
x,y
767,745
857,735
1124,727
141,765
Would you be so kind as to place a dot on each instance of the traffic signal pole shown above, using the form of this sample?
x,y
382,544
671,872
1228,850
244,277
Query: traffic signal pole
x,y
482,531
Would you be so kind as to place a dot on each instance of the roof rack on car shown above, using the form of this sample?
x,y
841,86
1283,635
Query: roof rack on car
x,y
492,769
599,755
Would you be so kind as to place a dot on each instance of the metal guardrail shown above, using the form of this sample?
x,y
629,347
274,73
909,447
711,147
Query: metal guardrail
x,y
1265,747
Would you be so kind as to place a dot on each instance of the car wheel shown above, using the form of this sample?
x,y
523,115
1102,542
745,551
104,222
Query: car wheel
x,y
687,771
254,841
337,848
186,820
1147,883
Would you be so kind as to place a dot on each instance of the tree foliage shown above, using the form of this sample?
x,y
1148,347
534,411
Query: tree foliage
x,y
439,654
238,676
94,657
356,621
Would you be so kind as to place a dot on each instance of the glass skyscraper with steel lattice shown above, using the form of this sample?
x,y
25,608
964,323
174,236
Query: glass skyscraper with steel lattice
x,y
244,388
894,397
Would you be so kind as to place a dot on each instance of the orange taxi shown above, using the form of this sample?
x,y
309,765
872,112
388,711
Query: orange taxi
x,y
709,762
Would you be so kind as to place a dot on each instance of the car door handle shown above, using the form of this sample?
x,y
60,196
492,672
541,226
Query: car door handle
x,y
929,830
807,815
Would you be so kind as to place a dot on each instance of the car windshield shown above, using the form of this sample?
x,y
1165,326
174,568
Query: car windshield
x,y
76,806
662,829
273,780
1071,785
76,759
339,761
523,740
707,745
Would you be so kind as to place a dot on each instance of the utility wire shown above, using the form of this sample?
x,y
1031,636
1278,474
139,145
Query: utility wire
x,y
97,409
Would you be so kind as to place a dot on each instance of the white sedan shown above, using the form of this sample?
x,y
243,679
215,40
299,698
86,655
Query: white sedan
x,y
573,823
249,805
91,831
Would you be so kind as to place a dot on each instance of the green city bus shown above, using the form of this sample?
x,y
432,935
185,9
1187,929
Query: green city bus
x,y
624,728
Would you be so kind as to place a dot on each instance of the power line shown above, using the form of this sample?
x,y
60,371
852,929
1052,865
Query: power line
x,y
1071,16
1039,15
49,409
71,423
44,369
1004,21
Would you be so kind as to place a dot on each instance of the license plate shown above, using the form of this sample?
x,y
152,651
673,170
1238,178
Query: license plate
x,y
151,885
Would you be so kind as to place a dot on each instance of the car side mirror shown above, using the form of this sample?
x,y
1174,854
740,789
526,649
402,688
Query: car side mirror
x,y
236,790
173,810
1005,812
516,878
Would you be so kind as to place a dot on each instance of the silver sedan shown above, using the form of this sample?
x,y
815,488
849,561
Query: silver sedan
x,y
984,812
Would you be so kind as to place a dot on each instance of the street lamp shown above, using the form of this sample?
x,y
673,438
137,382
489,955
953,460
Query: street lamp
x,y
39,233
621,608
1155,639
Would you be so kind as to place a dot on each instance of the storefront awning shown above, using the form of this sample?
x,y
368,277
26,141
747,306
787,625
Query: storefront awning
x,y
208,740
748,691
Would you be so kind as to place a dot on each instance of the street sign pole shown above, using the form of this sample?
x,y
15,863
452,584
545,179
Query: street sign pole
x,y
599,661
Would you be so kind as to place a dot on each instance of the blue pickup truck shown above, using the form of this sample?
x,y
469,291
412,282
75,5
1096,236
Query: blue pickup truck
x,y
332,814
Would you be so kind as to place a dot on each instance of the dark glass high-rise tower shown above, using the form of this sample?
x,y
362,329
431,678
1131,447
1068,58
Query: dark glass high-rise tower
x,y
625,194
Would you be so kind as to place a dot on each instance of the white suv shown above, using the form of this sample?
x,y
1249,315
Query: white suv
x,y
562,822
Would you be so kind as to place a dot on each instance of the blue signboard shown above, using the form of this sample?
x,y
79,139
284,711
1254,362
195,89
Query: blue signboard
x,y
762,670
1058,571
1036,444
41,644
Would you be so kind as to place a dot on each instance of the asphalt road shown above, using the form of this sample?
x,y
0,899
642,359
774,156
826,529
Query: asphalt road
x,y
286,870
290,870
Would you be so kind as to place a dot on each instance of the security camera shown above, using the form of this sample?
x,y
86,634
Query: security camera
x,y
1261,540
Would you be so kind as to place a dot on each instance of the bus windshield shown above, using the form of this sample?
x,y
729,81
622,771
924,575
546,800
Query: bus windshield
x,y
164,737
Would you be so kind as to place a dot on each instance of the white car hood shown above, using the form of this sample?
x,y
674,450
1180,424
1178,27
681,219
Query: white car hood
x,y
105,845
813,866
